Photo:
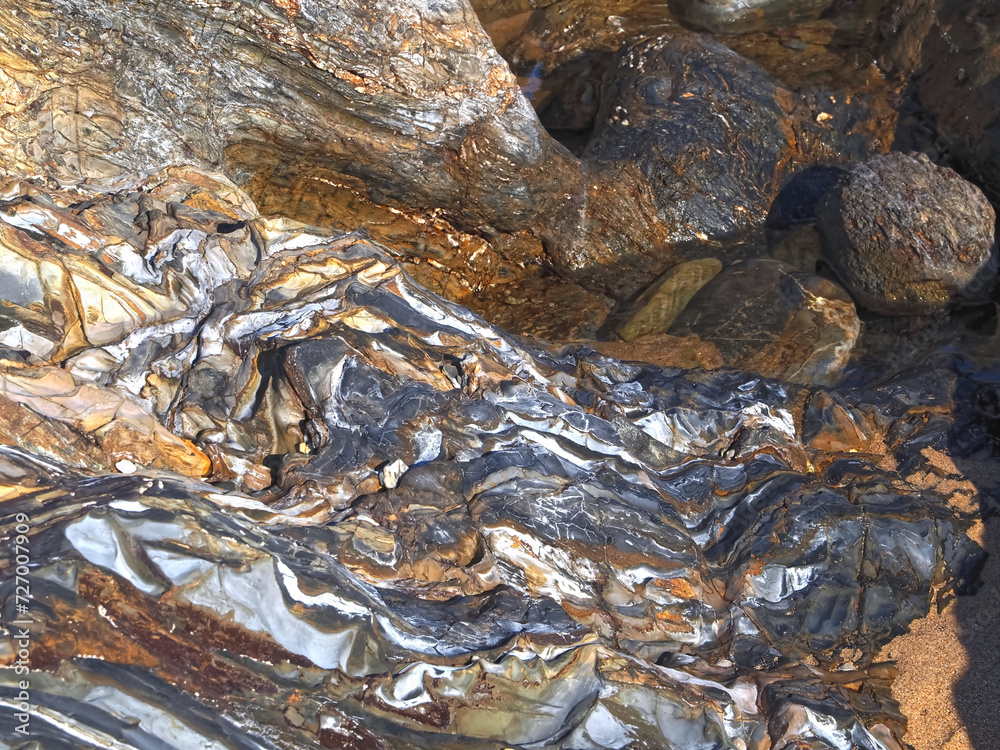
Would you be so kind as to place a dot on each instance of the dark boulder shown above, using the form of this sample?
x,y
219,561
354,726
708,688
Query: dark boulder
x,y
944,55
908,237
687,155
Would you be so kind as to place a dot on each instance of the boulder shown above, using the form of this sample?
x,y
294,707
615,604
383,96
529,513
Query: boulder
x,y
908,237
690,145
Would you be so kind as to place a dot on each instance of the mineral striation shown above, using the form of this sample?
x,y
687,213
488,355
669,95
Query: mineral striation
x,y
415,530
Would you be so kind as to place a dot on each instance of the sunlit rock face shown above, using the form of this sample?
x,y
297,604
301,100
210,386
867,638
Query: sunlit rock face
x,y
404,101
346,513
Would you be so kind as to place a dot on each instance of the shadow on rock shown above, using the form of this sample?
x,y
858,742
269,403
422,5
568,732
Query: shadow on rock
x,y
977,436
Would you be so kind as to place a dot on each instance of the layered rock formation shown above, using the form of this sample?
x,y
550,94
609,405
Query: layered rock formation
x,y
418,531
272,491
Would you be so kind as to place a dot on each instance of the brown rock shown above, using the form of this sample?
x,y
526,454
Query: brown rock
x,y
770,318
908,237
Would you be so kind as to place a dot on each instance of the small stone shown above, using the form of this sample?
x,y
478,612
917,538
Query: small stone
x,y
768,317
659,305
908,237
392,472
126,467
257,478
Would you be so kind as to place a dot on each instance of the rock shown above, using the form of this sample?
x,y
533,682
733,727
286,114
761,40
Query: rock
x,y
334,118
657,307
693,139
767,317
466,539
742,16
564,49
408,102
688,352
942,55
908,237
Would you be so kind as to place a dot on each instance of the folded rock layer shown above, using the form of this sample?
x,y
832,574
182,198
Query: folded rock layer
x,y
415,530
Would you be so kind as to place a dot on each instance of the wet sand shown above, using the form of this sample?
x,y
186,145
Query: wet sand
x,y
949,681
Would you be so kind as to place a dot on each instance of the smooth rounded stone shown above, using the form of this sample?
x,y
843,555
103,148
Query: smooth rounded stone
x,y
768,317
745,16
690,143
908,237
659,305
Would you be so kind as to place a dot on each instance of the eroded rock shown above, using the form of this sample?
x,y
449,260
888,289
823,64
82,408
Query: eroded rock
x,y
465,539
406,101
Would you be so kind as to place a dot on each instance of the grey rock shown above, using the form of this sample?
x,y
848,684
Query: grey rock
x,y
416,530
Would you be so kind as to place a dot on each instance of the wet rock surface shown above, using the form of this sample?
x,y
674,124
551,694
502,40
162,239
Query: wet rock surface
x,y
278,493
768,317
396,101
674,134
908,237
667,297
741,16
420,531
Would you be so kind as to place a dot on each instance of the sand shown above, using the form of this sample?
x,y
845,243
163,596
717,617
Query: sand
x,y
949,680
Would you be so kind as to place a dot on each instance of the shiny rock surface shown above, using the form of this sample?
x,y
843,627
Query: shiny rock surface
x,y
373,520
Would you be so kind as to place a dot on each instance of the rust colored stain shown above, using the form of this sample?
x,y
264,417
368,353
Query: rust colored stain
x,y
184,643
291,7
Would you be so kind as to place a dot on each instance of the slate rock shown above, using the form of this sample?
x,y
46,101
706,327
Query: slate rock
x,y
908,237
768,317
408,103
420,530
